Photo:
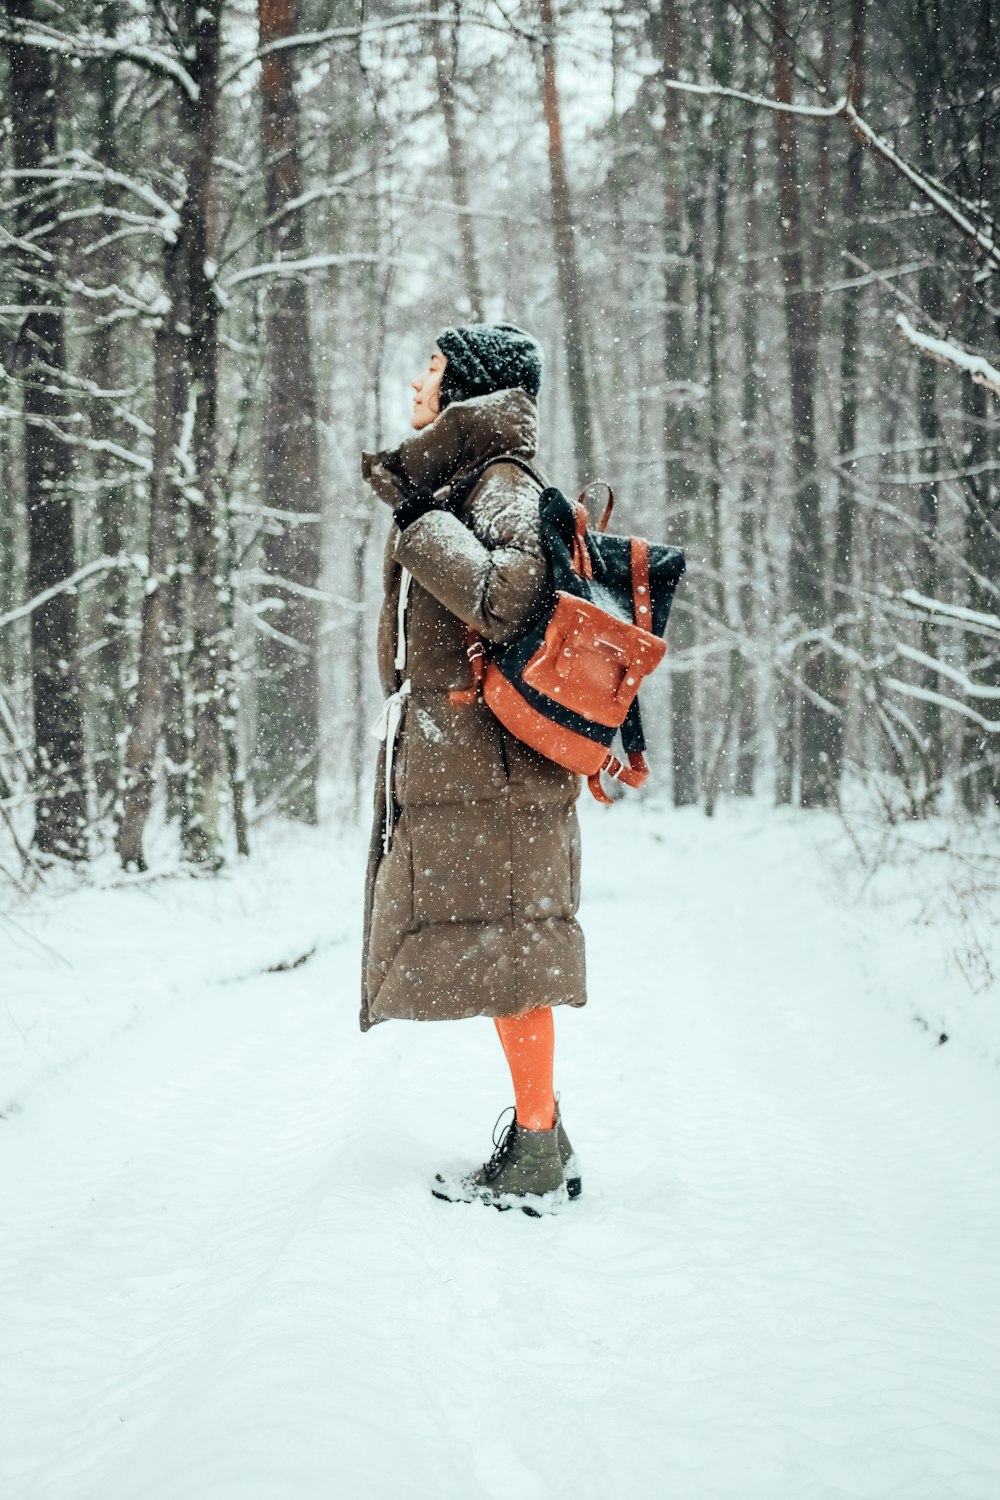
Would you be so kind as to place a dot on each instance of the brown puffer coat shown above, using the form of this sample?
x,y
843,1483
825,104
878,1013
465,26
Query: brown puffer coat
x,y
472,911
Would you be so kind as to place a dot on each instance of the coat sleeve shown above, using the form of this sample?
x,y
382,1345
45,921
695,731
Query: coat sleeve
x,y
491,573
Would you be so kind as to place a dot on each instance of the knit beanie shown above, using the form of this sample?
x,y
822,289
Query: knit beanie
x,y
485,357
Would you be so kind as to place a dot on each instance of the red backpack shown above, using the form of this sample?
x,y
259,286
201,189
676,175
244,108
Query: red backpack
x,y
569,683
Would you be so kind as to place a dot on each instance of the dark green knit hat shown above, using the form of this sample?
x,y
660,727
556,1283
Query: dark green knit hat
x,y
485,357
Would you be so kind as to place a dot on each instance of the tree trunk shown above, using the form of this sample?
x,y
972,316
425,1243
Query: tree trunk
x,y
170,399
445,67
718,594
9,529
106,366
838,675
567,264
208,644
679,489
60,809
980,750
288,733
928,459
818,772
746,714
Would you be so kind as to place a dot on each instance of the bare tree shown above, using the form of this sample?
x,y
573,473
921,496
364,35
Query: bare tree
x,y
170,464
445,43
818,770
567,261
199,228
288,732
60,807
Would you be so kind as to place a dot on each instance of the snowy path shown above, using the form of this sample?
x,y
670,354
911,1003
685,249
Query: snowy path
x,y
223,1275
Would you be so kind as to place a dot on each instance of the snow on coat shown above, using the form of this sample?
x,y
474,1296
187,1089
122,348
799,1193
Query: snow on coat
x,y
472,911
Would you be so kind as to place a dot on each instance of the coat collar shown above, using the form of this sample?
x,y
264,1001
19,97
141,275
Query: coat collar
x,y
464,436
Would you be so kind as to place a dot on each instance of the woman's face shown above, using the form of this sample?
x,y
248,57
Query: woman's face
x,y
427,392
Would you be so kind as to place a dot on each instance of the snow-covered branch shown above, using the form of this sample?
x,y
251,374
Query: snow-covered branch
x,y
927,695
934,195
332,34
338,188
978,369
956,613
954,674
256,576
90,44
83,169
311,263
271,632
91,445
67,585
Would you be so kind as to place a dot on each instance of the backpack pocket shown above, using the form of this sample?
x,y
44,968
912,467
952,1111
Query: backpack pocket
x,y
591,661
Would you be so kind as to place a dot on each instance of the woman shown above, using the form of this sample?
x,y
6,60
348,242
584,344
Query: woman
x,y
474,868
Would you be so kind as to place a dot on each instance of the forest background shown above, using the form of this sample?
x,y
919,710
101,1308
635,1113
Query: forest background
x,y
758,243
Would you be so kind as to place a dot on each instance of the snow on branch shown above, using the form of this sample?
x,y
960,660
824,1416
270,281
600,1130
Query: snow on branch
x,y
978,369
333,34
934,195
73,440
84,168
68,585
968,619
953,674
926,695
250,577
25,246
89,44
338,187
958,613
272,632
312,263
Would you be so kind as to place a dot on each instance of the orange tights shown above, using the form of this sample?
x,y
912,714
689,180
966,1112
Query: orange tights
x,y
528,1041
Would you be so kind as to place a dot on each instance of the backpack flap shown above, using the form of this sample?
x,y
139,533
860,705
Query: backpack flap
x,y
666,569
607,581
591,661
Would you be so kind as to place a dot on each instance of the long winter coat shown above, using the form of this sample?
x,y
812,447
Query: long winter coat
x,y
472,911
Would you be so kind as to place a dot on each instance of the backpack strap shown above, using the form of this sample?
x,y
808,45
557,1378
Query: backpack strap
x,y
641,599
459,492
633,743
475,649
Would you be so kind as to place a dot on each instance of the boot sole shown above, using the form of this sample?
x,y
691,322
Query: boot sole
x,y
538,1206
501,1208
574,1188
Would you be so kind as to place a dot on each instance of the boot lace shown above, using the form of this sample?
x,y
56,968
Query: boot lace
x,y
503,1141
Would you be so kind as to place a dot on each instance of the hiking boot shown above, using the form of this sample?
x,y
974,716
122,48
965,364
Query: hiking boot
x,y
570,1165
525,1172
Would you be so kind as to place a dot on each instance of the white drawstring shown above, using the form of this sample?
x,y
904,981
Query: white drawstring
x,y
386,727
404,594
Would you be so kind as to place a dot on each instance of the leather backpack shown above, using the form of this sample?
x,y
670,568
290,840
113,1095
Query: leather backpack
x,y
569,683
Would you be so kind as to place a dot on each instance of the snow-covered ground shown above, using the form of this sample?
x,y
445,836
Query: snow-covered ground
x,y
223,1275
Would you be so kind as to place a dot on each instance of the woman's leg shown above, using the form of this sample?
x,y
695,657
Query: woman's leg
x,y
528,1041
